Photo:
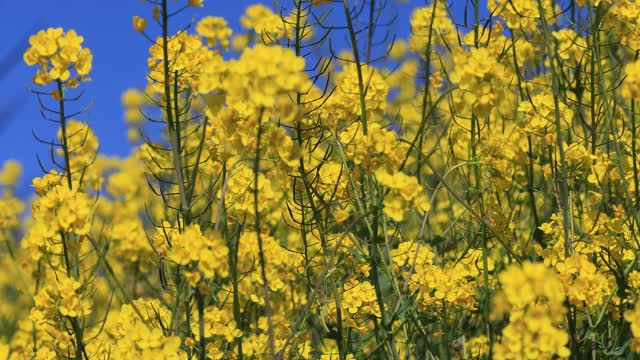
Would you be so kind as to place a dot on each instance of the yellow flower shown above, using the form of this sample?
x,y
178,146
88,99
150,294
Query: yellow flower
x,y
139,23
83,65
31,56
268,26
46,42
193,277
477,347
443,29
481,81
55,52
535,296
10,172
583,282
633,317
394,208
215,30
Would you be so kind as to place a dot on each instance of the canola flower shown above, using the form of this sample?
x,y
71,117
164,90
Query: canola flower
x,y
59,55
470,194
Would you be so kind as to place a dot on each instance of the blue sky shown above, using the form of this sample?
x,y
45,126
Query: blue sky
x,y
119,63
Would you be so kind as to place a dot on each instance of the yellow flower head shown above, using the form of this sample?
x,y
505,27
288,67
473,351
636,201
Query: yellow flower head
x,y
139,24
58,53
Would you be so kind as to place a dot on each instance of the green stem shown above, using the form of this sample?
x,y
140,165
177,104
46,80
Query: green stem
x,y
63,128
564,182
356,57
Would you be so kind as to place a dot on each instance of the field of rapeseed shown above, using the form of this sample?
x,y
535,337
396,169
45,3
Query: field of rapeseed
x,y
469,192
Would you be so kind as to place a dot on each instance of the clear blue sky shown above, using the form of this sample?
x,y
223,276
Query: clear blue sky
x,y
119,63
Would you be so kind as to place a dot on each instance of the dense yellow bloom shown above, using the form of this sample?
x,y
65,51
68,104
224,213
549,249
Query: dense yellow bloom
x,y
584,284
539,117
192,246
71,209
65,297
261,74
405,254
344,103
527,285
447,289
406,194
358,300
147,343
188,57
481,81
533,295
218,323
425,22
379,148
277,200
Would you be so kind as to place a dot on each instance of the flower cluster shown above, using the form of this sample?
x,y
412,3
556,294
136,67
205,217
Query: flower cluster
x,y
533,295
63,297
406,193
191,246
215,30
59,55
481,81
261,74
